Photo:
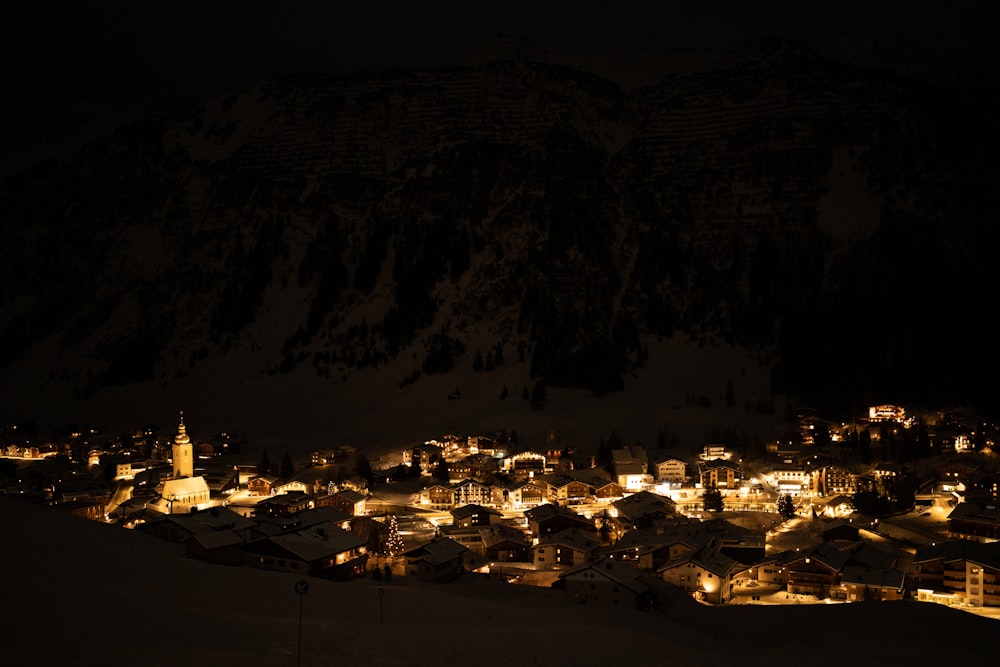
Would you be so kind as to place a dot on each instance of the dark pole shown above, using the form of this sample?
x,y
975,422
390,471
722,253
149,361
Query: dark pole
x,y
298,656
301,587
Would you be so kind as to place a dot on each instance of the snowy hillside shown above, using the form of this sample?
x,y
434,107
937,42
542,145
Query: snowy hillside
x,y
86,594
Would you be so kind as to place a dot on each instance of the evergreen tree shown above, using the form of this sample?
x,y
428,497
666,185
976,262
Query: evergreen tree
x,y
712,500
363,469
503,393
393,545
498,355
440,472
287,467
264,467
786,506
477,363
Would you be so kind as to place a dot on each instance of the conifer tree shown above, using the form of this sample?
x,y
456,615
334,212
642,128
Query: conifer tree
x,y
393,540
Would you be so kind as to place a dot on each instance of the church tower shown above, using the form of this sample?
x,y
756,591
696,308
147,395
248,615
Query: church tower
x,y
183,452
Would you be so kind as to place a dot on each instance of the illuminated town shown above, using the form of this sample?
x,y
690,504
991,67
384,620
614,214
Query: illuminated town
x,y
889,506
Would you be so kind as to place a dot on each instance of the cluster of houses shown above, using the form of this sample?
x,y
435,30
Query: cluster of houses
x,y
623,534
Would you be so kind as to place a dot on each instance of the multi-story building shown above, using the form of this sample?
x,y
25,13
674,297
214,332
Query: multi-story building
x,y
958,571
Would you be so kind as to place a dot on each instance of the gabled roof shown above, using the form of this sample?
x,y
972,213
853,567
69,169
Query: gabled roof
x,y
216,539
499,533
269,479
986,554
435,552
870,556
468,510
618,572
558,480
719,463
643,503
319,515
350,495
643,540
707,559
318,542
973,512
548,510
216,518
572,538
828,555
876,578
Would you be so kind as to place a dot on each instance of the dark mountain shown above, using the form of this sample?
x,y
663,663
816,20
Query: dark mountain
x,y
838,220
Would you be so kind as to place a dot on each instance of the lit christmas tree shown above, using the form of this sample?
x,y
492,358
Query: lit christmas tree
x,y
393,540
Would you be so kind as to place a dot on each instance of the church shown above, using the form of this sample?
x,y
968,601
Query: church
x,y
183,492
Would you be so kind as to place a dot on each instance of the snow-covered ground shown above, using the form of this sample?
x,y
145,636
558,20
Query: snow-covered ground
x,y
81,593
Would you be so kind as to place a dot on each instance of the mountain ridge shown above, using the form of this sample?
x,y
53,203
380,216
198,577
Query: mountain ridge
x,y
345,222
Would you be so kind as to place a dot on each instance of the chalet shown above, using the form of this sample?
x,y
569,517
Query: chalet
x,y
643,508
650,548
284,504
871,557
832,506
325,550
437,497
815,571
790,479
526,464
469,537
721,474
526,494
221,547
503,543
424,456
262,485
979,523
712,452
630,466
608,491
839,529
567,547
474,466
671,470
320,515
474,515
831,480
438,561
347,501
742,544
607,582
469,491
958,471
565,488
179,527
958,571
222,481
707,573
548,519
290,486
863,583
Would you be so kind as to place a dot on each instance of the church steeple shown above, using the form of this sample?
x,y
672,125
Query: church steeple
x,y
182,437
183,452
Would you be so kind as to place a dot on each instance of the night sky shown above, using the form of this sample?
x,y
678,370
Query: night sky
x,y
109,55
